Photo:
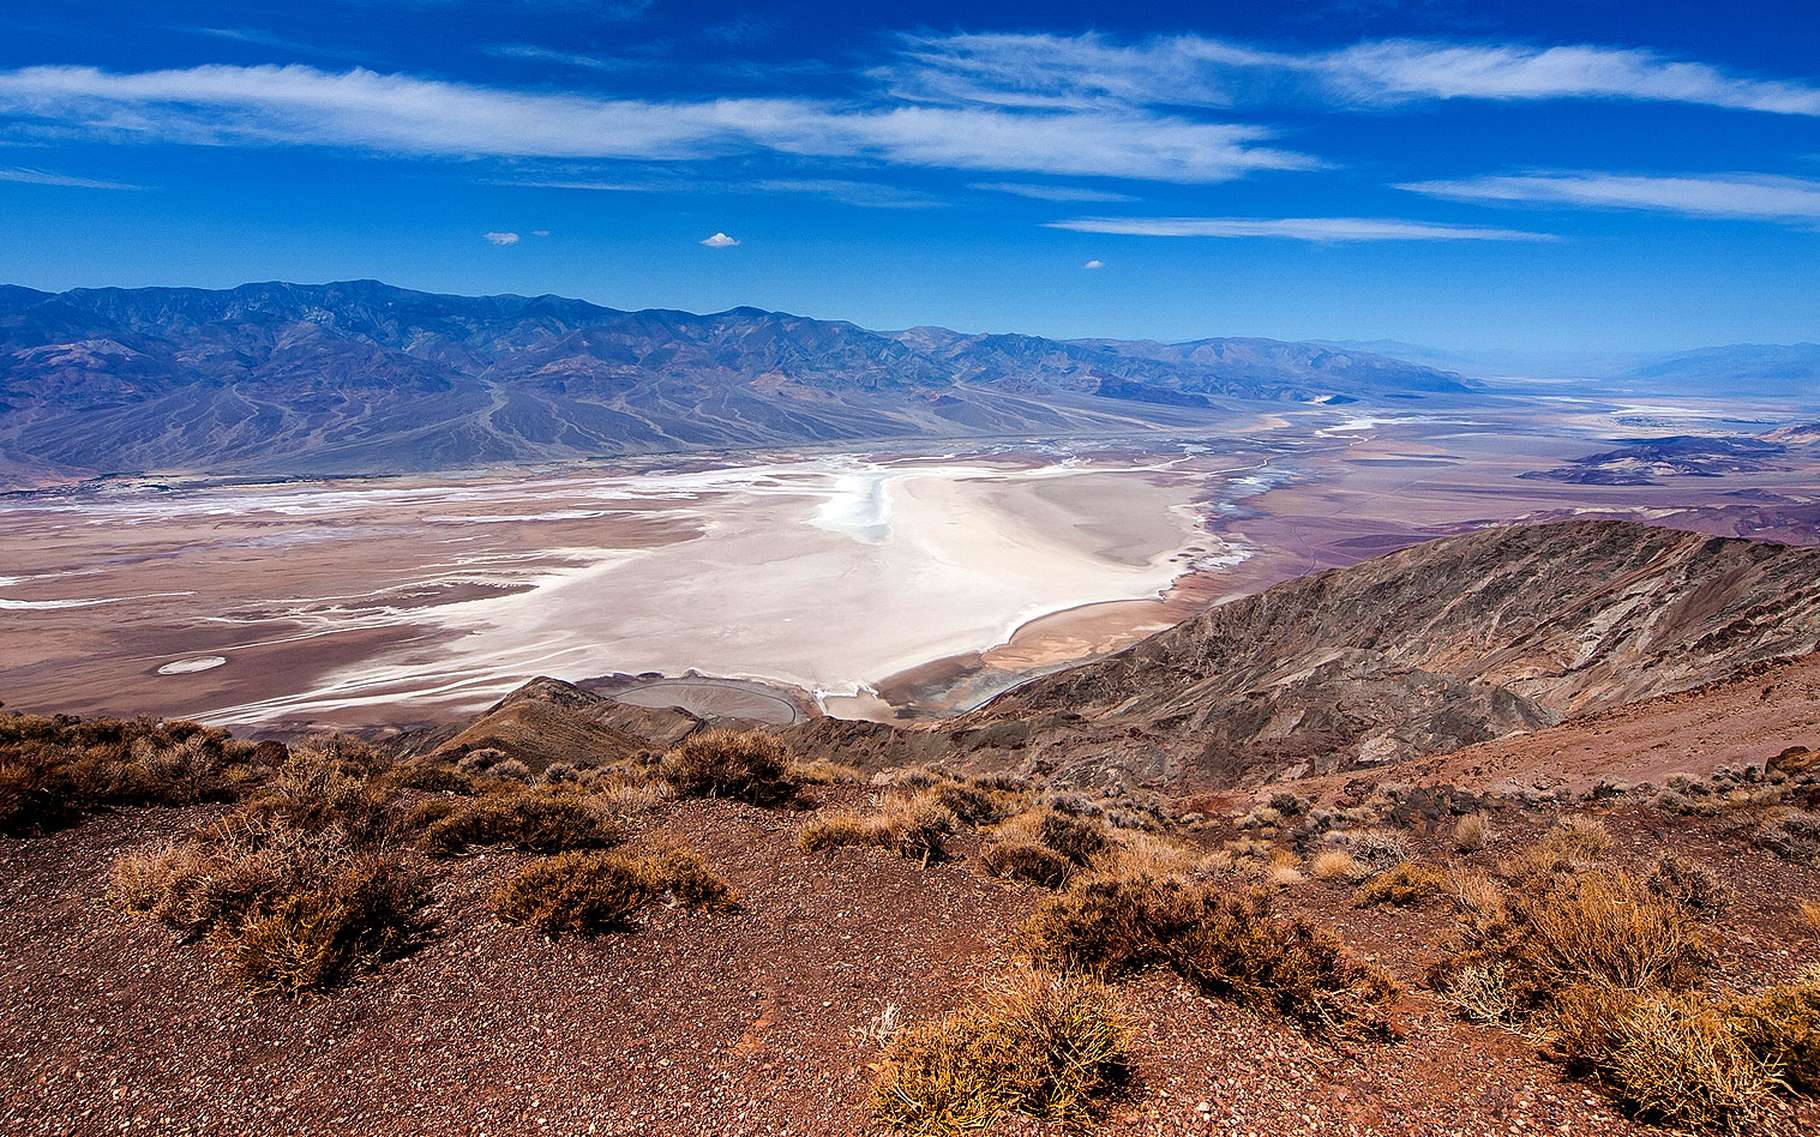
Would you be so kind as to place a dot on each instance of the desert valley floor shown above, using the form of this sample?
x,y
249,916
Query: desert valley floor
x,y
890,584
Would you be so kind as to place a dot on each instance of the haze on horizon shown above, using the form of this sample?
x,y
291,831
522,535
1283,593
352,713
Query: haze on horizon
x,y
1610,177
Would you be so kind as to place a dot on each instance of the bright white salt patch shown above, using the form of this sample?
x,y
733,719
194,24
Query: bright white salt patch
x,y
188,666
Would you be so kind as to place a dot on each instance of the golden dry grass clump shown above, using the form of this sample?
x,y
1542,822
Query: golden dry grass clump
x,y
1045,846
1230,945
532,821
1609,968
1471,833
1048,1046
585,893
751,766
1667,1057
1337,864
915,826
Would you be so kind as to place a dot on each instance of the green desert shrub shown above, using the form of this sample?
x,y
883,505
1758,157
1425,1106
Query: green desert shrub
x,y
1045,1046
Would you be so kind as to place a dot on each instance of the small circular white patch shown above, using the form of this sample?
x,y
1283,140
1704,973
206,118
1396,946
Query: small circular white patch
x,y
186,666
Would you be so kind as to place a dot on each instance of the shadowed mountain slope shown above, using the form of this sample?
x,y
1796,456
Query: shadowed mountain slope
x,y
1430,649
363,377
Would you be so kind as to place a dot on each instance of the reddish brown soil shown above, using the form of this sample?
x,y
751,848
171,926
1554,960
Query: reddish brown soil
x,y
735,1024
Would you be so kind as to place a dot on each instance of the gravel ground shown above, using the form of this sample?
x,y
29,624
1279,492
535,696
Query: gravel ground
x,y
740,1024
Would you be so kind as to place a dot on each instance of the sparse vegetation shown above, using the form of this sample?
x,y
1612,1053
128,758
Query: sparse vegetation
x,y
586,893
1781,1027
1793,835
1471,833
750,766
916,826
1666,1057
1337,864
532,822
1230,945
1407,884
1047,1046
1691,885
54,769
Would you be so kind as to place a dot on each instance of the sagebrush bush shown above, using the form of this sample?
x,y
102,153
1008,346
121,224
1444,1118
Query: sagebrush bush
x,y
1781,1026
1337,864
532,822
586,893
1407,884
1666,1057
1026,861
1230,945
1793,835
750,766
1691,885
53,770
1379,849
916,827
307,941
1050,1047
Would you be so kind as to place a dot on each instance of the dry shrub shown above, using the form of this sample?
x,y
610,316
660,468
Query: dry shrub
x,y
1379,849
330,782
1050,1047
1407,884
585,893
431,776
750,766
1337,864
1283,870
299,911
1602,930
1471,833
971,804
1026,861
1230,945
916,826
54,770
1665,1057
1481,993
309,941
1575,846
1691,885
1810,913
822,772
1781,1026
1793,835
533,822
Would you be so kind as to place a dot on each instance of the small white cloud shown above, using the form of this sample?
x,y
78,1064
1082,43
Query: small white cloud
x,y
1095,263
540,232
719,241
46,178
1053,193
502,239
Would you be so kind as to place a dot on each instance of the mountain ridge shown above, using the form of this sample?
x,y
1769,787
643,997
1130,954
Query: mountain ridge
x,y
361,376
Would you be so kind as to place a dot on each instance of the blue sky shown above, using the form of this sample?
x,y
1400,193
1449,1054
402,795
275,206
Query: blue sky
x,y
1595,175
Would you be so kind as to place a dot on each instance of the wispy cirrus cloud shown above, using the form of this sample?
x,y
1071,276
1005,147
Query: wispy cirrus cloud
x,y
31,177
1036,70
866,195
1760,197
399,114
1317,229
1052,193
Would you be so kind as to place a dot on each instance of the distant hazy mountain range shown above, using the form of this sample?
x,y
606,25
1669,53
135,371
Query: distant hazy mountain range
x,y
361,376
1773,370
